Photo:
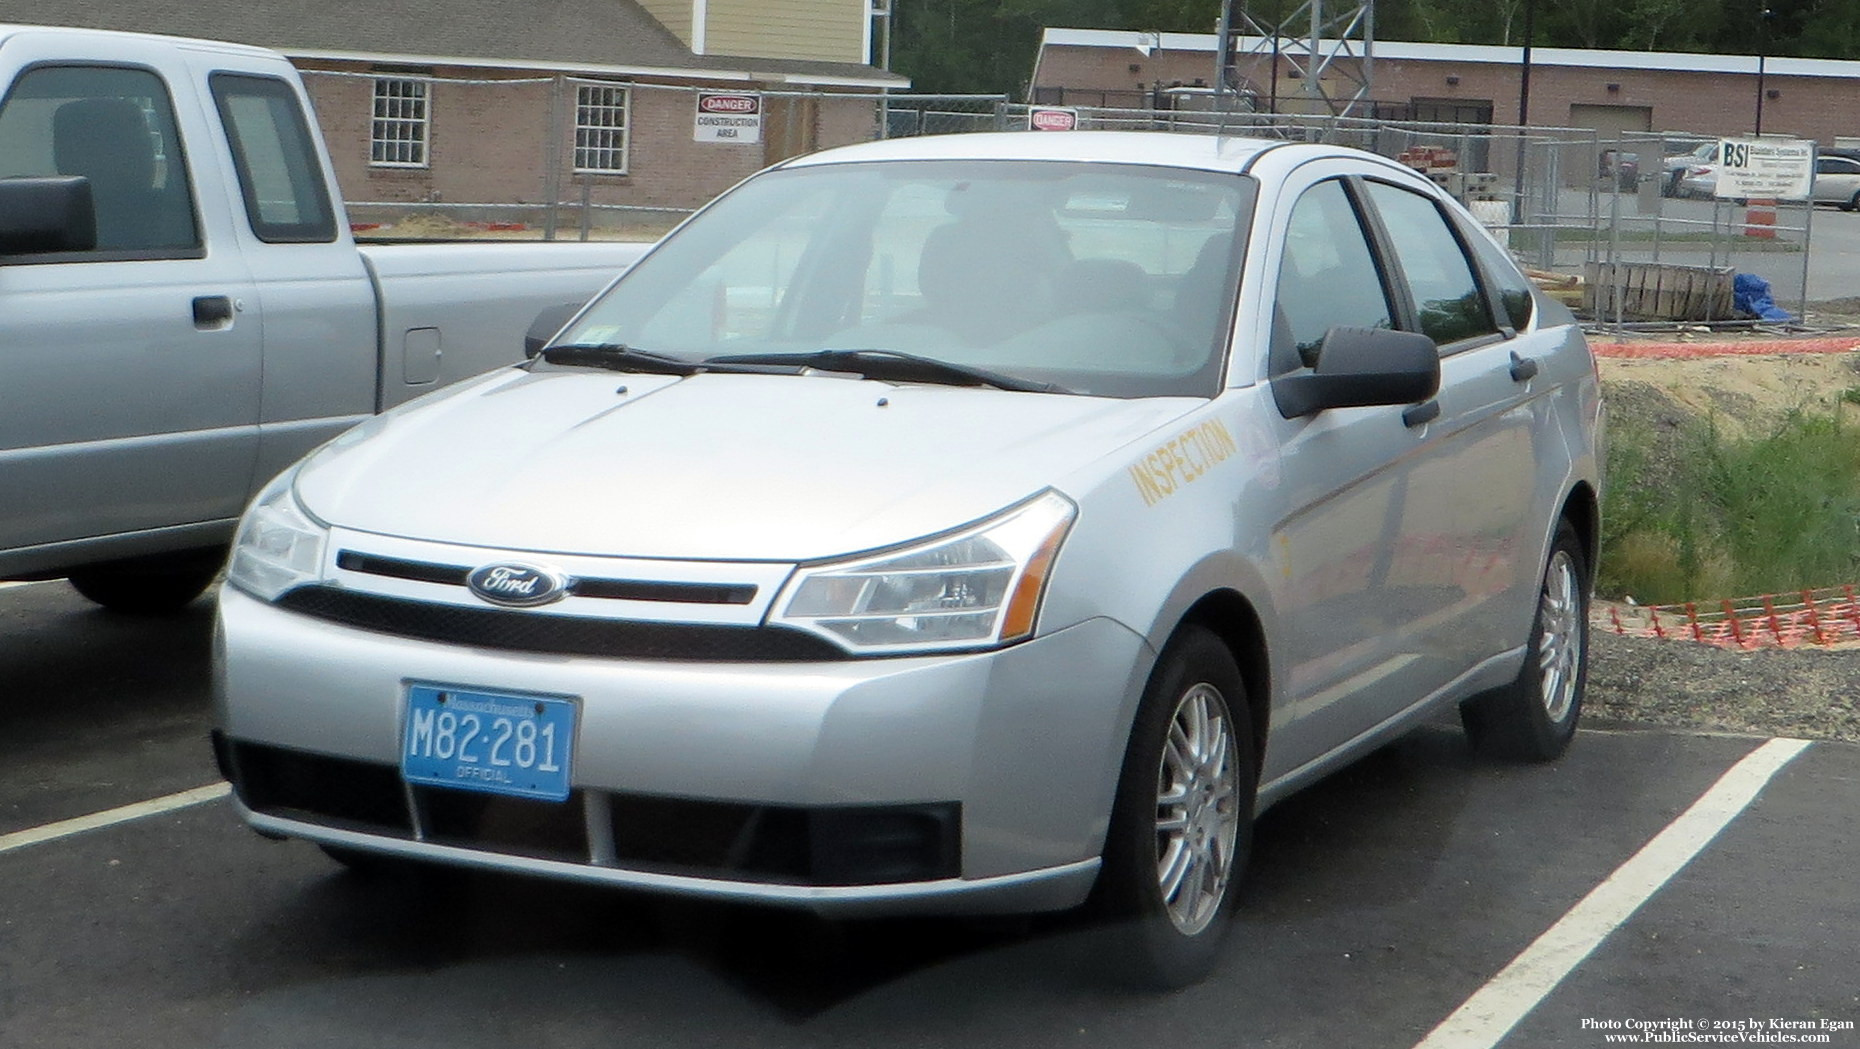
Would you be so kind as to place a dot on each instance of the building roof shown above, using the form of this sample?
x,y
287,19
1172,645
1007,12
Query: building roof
x,y
1540,56
590,36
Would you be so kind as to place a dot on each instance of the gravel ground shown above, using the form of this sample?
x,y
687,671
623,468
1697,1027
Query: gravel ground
x,y
1807,693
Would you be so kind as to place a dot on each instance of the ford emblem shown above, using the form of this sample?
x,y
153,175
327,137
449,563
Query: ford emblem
x,y
517,585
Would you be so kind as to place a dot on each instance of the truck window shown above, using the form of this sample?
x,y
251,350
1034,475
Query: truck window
x,y
286,201
114,126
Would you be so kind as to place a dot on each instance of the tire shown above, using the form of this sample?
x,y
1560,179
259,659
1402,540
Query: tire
x,y
1182,815
1851,203
1534,718
149,587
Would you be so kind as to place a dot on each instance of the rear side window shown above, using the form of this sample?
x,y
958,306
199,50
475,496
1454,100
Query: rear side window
x,y
1447,297
115,126
1327,277
1509,286
286,201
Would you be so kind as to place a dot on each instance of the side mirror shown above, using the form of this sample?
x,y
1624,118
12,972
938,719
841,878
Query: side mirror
x,y
1357,367
547,323
41,215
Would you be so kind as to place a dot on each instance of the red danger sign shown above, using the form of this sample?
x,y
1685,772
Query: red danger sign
x,y
730,103
729,117
1050,119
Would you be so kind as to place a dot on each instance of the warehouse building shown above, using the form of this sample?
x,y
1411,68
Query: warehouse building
x,y
1612,92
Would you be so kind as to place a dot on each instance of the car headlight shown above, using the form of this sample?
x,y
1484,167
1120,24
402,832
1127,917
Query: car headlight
x,y
975,588
279,546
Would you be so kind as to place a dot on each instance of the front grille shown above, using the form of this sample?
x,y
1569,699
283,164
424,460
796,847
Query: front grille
x,y
837,845
547,830
608,589
841,845
524,631
353,795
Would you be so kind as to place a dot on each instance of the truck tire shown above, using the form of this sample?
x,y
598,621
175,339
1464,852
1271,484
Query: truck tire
x,y
150,586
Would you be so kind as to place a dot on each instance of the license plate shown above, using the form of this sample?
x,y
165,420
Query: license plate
x,y
488,741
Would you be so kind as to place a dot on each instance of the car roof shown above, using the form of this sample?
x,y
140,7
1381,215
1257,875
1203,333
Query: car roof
x,y
1169,149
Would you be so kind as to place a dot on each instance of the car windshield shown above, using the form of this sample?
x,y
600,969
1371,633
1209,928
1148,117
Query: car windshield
x,y
1114,280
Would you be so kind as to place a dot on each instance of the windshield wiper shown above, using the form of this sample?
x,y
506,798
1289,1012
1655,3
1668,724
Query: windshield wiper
x,y
892,364
618,356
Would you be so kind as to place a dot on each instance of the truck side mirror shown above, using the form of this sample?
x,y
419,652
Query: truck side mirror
x,y
1357,367
42,215
547,323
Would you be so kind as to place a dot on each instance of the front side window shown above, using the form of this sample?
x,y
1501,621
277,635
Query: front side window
x,y
600,128
1447,298
397,136
1327,277
279,174
1111,280
114,126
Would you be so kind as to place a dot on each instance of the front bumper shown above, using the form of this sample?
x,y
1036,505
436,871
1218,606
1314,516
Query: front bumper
x,y
1020,747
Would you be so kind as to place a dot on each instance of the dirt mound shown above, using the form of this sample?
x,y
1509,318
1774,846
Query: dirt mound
x,y
1741,395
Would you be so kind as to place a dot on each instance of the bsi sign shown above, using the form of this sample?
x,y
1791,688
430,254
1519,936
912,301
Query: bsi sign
x,y
728,117
1765,169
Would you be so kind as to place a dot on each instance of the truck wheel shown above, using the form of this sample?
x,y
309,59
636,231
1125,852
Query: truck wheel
x,y
150,586
1534,718
1181,824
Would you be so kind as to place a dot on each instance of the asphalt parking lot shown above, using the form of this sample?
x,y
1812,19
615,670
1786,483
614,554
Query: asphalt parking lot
x,y
1380,902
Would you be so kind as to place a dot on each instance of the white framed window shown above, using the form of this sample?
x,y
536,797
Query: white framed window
x,y
397,136
601,128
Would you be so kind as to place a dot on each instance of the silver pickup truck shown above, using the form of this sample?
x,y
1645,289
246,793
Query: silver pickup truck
x,y
183,311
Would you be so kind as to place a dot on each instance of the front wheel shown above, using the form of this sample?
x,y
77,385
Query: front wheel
x,y
1851,203
1182,822
1534,718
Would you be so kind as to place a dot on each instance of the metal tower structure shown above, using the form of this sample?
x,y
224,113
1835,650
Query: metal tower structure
x,y
1328,48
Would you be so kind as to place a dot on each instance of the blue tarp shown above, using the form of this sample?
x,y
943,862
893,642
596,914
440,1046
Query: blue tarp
x,y
1751,294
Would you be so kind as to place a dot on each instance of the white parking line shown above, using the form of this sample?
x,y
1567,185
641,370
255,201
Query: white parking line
x,y
26,582
19,839
1507,998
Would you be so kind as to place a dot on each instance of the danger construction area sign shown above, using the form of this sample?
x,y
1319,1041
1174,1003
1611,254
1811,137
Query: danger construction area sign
x,y
732,116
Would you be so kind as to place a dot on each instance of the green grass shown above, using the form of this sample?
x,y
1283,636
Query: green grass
x,y
1706,516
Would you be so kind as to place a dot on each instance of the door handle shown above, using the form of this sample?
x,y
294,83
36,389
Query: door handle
x,y
212,311
1420,414
1523,369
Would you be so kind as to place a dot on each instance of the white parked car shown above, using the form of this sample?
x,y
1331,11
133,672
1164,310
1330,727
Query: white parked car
x,y
969,523
1837,181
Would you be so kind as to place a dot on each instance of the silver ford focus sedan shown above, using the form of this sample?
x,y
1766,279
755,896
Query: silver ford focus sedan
x,y
966,524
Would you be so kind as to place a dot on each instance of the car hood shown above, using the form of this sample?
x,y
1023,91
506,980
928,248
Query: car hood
x,y
713,466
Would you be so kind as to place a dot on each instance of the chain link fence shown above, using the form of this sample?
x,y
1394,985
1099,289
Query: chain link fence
x,y
1623,228
424,156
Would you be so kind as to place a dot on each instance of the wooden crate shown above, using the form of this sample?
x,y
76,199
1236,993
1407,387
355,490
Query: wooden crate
x,y
1647,291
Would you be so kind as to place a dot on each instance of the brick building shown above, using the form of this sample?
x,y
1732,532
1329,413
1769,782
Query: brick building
x,y
1609,91
494,102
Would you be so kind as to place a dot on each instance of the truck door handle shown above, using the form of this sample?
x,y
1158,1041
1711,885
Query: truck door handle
x,y
1420,414
1523,369
212,311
